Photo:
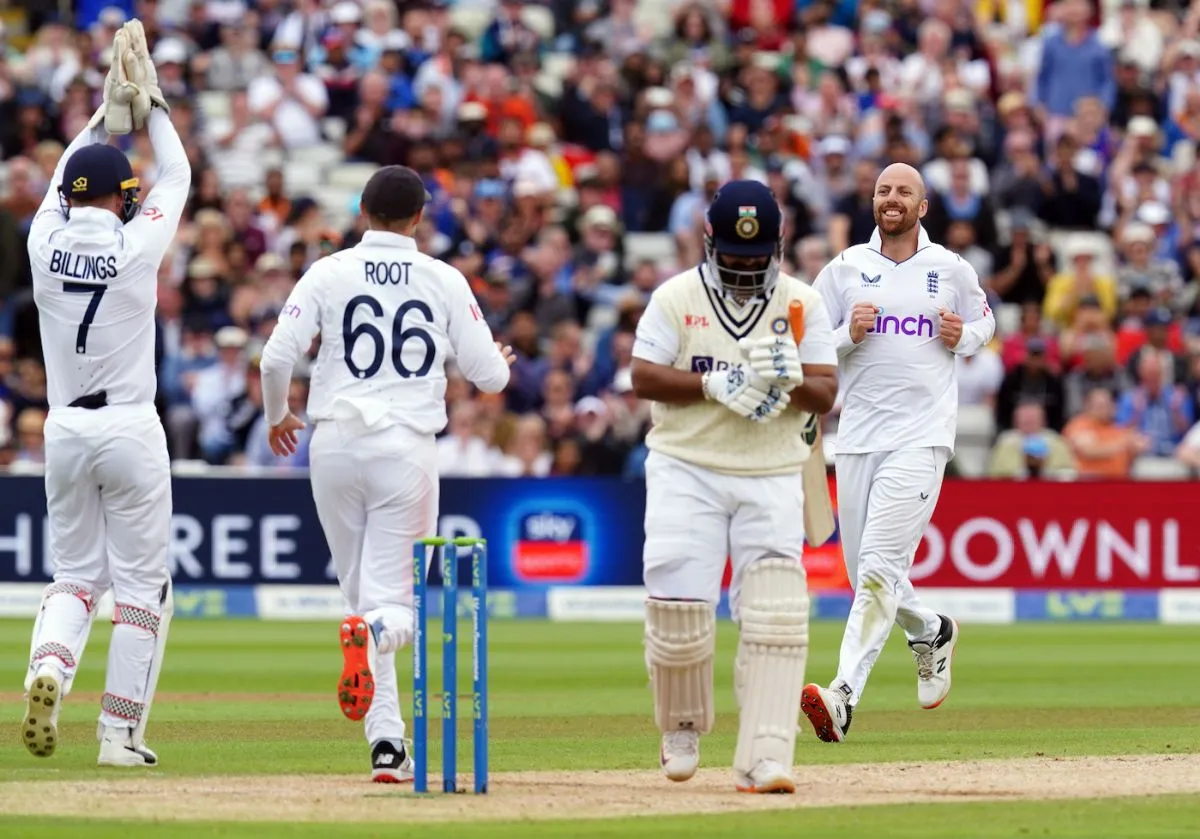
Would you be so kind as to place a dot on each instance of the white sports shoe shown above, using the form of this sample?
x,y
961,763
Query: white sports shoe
x,y
933,660
39,730
829,711
680,754
391,765
766,776
118,749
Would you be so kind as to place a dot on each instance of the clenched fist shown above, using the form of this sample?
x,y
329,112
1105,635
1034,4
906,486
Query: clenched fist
x,y
862,320
952,328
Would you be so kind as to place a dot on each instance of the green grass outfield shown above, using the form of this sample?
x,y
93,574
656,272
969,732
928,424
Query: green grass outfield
x,y
574,697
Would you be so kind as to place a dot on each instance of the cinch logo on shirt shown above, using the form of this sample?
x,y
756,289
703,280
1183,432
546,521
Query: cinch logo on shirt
x,y
903,325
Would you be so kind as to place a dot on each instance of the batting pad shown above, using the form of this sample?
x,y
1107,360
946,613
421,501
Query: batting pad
x,y
681,640
769,673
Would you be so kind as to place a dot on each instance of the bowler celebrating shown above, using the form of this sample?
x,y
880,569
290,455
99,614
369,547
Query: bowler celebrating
x,y
389,317
903,308
733,399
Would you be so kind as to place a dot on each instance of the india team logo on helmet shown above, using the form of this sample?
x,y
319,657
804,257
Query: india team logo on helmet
x,y
743,241
747,223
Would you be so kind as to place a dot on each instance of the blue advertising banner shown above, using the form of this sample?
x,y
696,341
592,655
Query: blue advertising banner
x,y
264,530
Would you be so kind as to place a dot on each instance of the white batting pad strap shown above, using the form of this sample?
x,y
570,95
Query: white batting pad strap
x,y
681,639
769,673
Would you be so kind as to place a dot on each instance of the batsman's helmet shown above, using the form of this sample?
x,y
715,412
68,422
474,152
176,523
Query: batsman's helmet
x,y
744,224
96,171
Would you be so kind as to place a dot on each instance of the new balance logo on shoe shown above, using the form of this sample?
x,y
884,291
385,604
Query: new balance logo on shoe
x,y
386,760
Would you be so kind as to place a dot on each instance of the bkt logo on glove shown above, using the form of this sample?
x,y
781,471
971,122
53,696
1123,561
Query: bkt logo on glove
x,y
707,364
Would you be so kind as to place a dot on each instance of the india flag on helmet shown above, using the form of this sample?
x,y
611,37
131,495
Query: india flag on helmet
x,y
747,212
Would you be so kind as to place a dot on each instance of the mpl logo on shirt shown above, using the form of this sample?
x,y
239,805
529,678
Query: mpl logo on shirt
x,y
695,321
551,546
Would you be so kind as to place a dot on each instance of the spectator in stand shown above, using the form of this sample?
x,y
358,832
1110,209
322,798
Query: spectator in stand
x,y
1102,448
1164,339
1161,412
1078,281
1025,266
1097,368
1032,382
216,390
293,102
1074,64
1030,450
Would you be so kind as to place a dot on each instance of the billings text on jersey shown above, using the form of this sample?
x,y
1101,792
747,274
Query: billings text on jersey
x,y
80,266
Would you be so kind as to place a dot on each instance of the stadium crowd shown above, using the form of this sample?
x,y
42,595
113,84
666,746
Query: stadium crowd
x,y
570,148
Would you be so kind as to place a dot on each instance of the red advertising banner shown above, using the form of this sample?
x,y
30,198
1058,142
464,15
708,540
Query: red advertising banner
x,y
1062,535
1007,534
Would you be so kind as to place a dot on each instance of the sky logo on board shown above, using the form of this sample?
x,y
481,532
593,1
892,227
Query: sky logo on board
x,y
551,547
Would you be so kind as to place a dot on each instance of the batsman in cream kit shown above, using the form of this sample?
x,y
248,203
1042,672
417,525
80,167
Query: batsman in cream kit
x,y
738,359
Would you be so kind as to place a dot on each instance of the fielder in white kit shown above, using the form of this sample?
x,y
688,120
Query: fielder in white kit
x,y
903,308
733,400
388,317
95,261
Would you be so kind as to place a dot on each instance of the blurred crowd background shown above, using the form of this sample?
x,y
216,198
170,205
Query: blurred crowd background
x,y
570,148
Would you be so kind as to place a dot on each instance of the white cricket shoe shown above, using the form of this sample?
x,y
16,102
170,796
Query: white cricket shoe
x,y
933,660
39,730
118,749
829,711
680,754
391,765
767,776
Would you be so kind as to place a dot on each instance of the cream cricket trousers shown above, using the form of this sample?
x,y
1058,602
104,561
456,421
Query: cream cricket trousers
x,y
885,501
696,517
376,495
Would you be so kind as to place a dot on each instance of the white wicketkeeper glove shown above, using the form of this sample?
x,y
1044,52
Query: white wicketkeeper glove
x,y
745,393
120,92
775,359
143,73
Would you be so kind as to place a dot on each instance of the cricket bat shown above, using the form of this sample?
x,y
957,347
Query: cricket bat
x,y
819,523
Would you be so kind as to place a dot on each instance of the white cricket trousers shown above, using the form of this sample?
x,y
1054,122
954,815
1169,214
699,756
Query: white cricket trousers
x,y
885,501
376,495
108,501
696,517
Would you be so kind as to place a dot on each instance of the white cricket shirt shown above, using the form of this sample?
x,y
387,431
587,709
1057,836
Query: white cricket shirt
x,y
898,386
95,280
389,318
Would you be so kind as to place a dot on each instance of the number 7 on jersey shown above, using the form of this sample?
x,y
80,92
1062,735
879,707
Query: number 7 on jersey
x,y
97,292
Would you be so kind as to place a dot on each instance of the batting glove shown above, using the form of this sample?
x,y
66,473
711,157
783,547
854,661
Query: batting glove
x,y
745,393
775,359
